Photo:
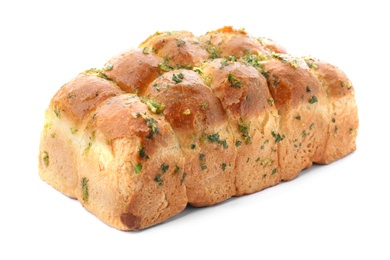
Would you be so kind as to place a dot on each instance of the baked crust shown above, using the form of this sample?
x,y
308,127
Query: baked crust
x,y
192,120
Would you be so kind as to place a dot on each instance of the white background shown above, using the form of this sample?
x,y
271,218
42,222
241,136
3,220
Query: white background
x,y
339,211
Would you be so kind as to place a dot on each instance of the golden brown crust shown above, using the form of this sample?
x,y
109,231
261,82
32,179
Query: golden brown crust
x,y
252,116
343,113
228,41
192,120
81,95
303,109
196,115
133,70
178,49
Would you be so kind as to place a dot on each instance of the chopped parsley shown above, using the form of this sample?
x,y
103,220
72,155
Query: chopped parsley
x,y
234,82
142,153
223,166
152,124
271,101
138,168
154,106
178,78
215,138
245,132
159,179
294,63
84,189
313,99
164,168
164,66
224,63
278,137
45,158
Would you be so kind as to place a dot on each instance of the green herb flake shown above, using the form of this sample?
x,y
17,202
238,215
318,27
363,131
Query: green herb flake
x,y
279,57
244,130
238,143
108,67
193,146
271,101
84,189
155,106
138,168
311,126
313,100
96,72
159,179
298,117
204,105
308,89
234,82
157,87
223,166
304,134
198,70
212,50
274,171
182,178
45,158
203,167
146,50
142,153
215,138
278,137
71,95
294,63
178,78
164,66
224,144
201,156
311,64
265,74
91,139
232,58
164,168
224,63
177,169
180,42
152,124
333,120
57,112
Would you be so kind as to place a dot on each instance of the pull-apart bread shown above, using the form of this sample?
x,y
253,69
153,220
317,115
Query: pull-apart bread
x,y
192,120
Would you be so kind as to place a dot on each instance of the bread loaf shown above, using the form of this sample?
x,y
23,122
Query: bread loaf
x,y
192,120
